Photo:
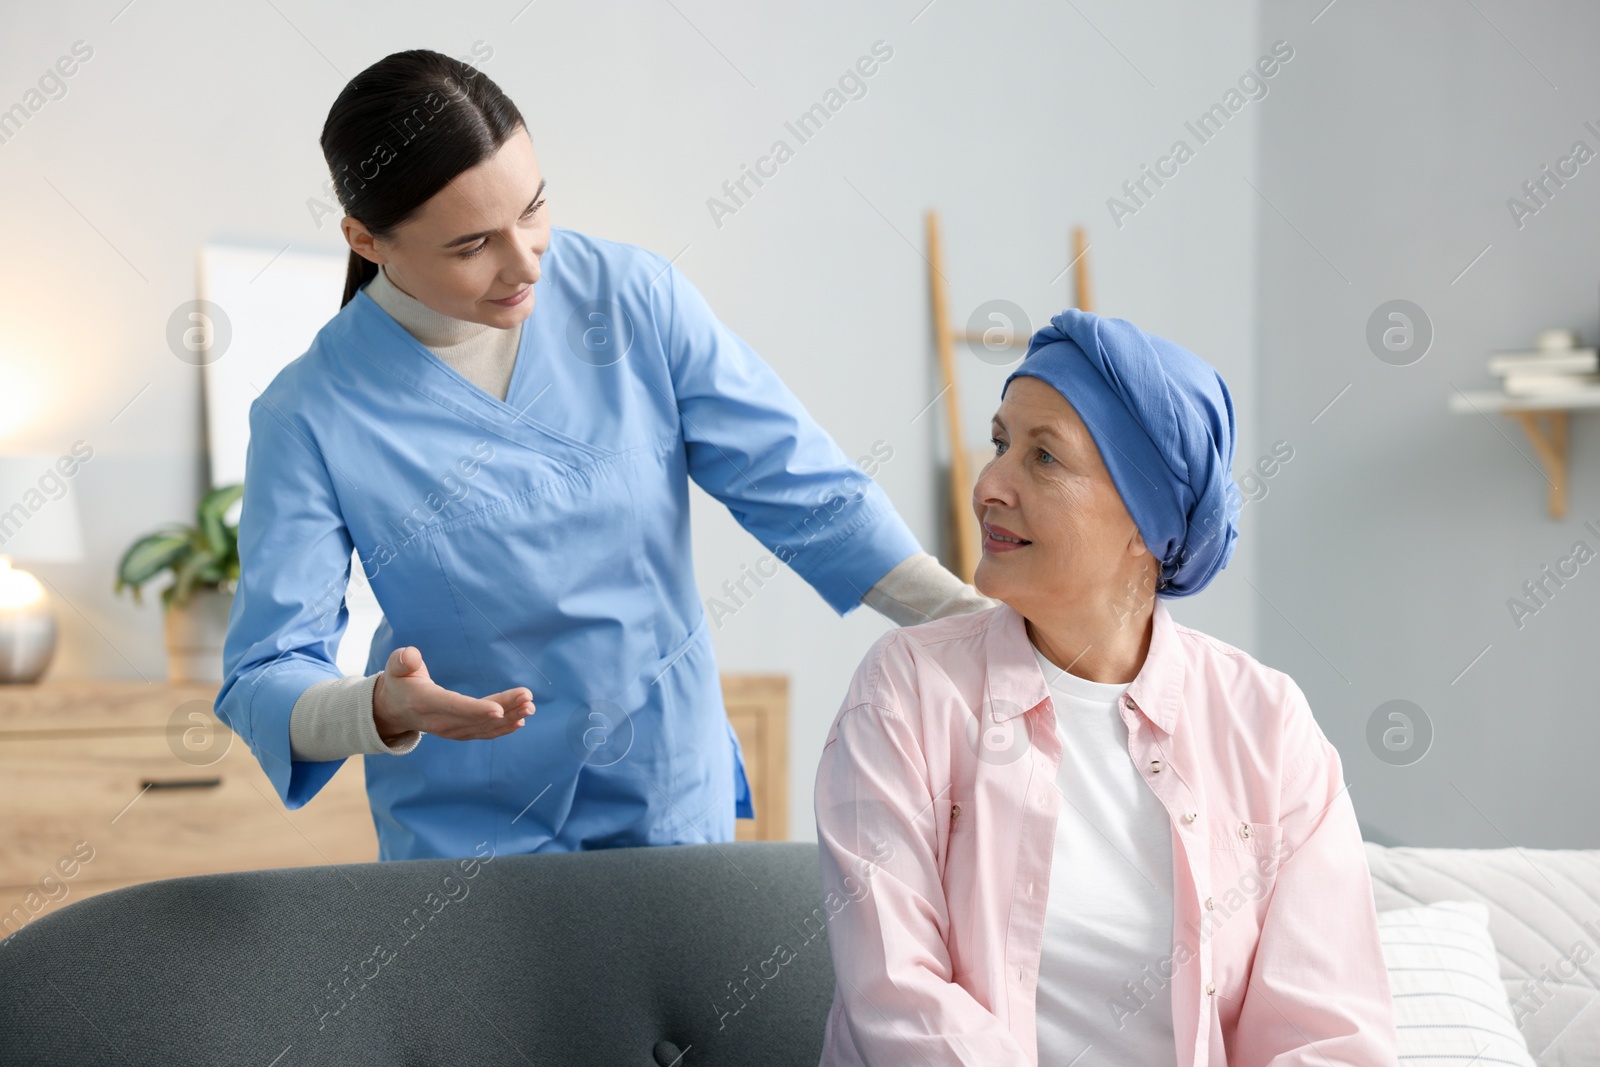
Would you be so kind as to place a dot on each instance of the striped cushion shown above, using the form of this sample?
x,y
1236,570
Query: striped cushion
x,y
1450,1006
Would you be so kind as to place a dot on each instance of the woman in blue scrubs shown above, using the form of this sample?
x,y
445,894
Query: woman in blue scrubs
x,y
543,679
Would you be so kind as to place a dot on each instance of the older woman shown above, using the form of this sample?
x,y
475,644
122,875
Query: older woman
x,y
1066,829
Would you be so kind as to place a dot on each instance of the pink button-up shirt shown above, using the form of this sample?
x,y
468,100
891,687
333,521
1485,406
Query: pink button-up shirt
x,y
936,809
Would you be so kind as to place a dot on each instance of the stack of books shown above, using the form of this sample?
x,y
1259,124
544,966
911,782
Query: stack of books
x,y
1556,366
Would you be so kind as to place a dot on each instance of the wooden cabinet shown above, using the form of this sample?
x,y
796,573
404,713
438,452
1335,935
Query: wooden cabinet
x,y
758,707
106,784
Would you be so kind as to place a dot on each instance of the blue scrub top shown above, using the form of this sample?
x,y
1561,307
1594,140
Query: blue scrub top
x,y
539,541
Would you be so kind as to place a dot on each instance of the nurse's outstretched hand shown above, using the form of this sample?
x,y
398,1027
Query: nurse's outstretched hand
x,y
404,698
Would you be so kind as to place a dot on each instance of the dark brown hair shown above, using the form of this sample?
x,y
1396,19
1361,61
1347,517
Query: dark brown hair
x,y
400,131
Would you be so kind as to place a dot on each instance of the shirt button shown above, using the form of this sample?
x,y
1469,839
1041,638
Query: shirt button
x,y
1211,988
1190,816
1210,904
1155,766
1244,829
1030,890
1131,705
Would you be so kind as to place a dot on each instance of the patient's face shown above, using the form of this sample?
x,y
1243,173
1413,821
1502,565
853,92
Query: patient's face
x,y
1048,485
438,257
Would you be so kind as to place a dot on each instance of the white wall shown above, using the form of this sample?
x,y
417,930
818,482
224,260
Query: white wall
x,y
194,121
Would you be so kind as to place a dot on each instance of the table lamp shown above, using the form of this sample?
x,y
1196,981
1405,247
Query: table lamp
x,y
38,524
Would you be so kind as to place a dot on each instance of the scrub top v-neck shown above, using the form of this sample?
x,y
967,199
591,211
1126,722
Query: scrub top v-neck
x,y
542,541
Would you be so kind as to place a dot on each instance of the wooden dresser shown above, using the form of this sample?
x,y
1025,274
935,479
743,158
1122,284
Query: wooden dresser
x,y
106,784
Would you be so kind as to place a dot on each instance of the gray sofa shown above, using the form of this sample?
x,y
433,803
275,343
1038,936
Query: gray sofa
x,y
649,956
693,955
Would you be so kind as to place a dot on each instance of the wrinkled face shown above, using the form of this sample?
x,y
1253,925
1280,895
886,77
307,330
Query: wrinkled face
x,y
474,243
1048,487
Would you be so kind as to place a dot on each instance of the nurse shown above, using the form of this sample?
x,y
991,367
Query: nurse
x,y
500,425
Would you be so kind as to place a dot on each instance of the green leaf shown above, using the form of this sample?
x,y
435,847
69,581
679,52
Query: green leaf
x,y
213,506
191,572
199,556
150,555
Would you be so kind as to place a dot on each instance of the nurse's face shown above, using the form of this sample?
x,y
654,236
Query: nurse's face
x,y
1048,486
474,243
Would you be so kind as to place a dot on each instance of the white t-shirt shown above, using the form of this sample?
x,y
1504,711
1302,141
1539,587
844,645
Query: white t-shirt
x,y
1104,995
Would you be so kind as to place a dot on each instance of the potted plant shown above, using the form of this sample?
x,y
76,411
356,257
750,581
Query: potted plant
x,y
204,561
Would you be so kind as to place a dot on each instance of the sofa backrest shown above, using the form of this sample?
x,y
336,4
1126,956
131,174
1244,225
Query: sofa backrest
x,y
1544,916
692,954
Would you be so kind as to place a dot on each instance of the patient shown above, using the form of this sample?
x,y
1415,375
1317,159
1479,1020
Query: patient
x,y
1067,829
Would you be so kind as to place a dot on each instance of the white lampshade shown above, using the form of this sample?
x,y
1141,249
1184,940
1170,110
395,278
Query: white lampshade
x,y
39,510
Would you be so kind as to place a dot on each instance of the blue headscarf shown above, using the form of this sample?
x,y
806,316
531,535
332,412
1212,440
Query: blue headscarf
x,y
1162,419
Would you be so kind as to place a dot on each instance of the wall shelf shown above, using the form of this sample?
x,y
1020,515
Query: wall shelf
x,y
1544,419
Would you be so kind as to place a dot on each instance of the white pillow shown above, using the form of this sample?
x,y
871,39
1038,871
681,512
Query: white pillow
x,y
1450,1006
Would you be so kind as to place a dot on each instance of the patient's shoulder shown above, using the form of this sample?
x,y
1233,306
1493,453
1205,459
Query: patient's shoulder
x,y
903,662
964,627
1247,682
1214,653
1200,641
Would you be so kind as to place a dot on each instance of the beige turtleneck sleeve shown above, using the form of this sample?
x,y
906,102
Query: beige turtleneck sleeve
x,y
919,589
333,719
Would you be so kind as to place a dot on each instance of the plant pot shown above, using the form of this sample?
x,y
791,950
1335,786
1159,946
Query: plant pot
x,y
195,633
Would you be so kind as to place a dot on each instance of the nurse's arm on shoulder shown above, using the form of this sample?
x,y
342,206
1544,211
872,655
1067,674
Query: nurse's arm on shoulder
x,y
919,588
879,856
289,614
751,444
1318,990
